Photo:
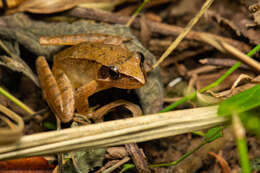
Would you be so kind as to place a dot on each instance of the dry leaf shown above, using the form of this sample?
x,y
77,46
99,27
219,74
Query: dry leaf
x,y
108,5
116,153
25,164
15,130
45,6
206,100
54,6
255,11
133,108
19,66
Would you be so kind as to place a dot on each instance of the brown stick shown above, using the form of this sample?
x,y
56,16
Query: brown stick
x,y
155,27
221,62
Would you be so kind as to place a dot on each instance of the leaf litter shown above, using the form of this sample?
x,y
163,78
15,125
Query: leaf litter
x,y
239,22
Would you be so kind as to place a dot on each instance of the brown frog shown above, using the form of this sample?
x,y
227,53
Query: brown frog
x,y
84,69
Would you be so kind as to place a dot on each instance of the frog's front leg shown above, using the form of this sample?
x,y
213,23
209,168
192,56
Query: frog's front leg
x,y
82,95
56,90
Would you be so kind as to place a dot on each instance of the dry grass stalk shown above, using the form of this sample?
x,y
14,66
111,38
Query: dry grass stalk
x,y
187,29
114,133
227,48
15,131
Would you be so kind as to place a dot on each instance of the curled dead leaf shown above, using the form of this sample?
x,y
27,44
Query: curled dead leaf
x,y
44,7
133,108
116,153
206,100
15,130
54,6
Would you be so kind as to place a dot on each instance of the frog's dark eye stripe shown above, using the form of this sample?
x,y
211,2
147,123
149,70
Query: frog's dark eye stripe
x,y
113,72
103,72
109,72
141,56
4,4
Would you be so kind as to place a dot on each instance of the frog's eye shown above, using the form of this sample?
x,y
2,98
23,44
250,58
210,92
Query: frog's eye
x,y
141,57
103,72
114,72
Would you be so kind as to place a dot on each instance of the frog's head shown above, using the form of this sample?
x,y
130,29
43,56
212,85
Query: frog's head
x,y
129,74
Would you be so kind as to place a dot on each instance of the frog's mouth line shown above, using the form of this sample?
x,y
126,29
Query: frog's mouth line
x,y
124,82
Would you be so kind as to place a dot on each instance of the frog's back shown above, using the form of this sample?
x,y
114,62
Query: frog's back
x,y
118,57
105,54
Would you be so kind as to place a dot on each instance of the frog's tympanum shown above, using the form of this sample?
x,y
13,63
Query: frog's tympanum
x,y
84,69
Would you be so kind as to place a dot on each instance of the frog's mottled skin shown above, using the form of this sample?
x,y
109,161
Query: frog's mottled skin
x,y
84,69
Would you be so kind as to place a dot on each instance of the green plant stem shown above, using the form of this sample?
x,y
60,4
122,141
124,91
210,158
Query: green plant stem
x,y
214,84
16,101
136,12
177,103
210,137
181,158
243,155
240,133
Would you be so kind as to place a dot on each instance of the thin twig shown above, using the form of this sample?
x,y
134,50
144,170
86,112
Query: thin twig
x,y
176,42
223,62
118,164
155,27
136,12
227,48
241,56
203,69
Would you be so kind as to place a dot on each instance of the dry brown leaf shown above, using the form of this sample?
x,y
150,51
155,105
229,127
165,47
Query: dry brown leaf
x,y
45,7
15,130
54,6
255,11
108,5
19,66
14,62
235,90
223,21
206,79
116,153
30,163
206,100
133,108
